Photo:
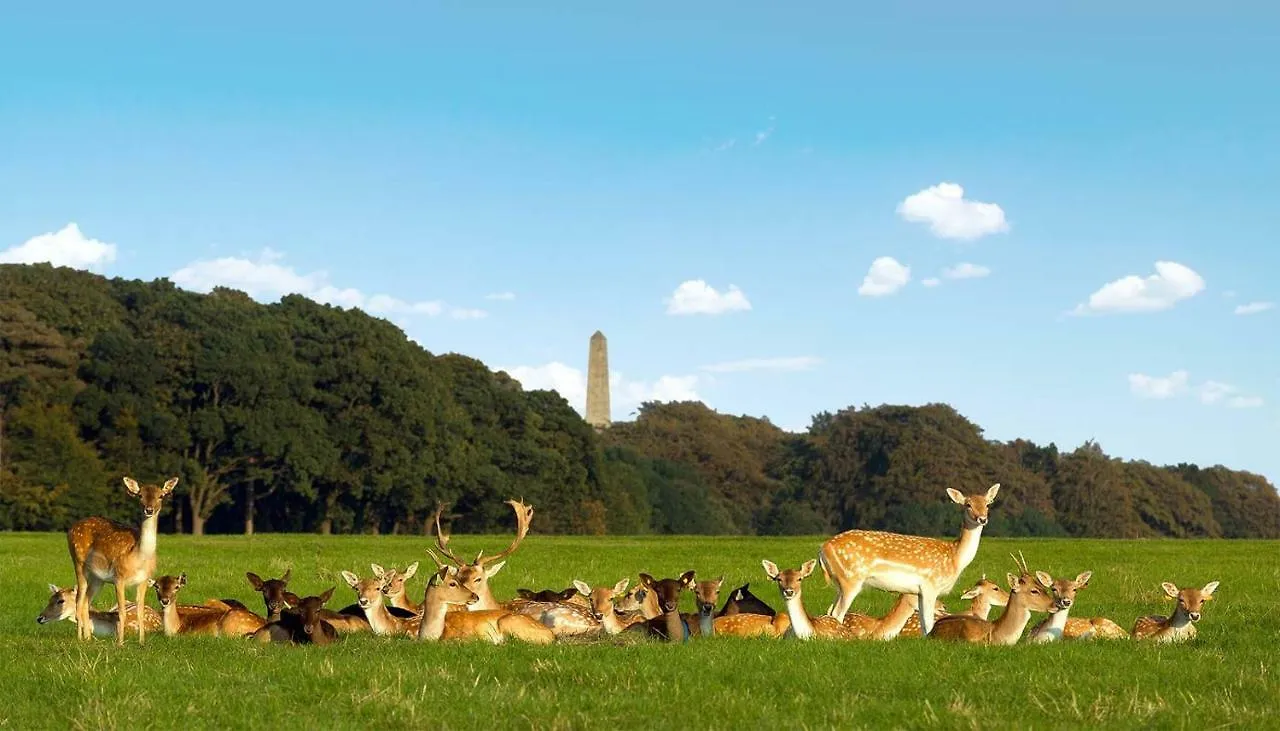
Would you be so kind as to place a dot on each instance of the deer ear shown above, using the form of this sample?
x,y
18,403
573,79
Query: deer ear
x,y
1208,589
1013,581
719,581
182,579
327,595
287,573
971,594
53,589
1170,588
254,580
151,582
490,571
378,571
621,586
770,568
292,599
582,587
168,486
409,572
991,493
351,579
1044,579
1083,579
687,578
808,568
956,496
132,486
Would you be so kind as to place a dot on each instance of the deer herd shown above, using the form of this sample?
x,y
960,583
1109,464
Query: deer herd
x,y
458,603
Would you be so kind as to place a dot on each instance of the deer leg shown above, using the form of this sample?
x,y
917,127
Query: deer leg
x,y
526,628
928,601
82,604
139,605
845,595
120,613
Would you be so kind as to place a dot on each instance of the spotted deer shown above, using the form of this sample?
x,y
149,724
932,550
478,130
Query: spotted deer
x,y
799,622
475,575
301,624
705,596
214,618
570,595
926,567
1027,593
1093,628
1054,626
62,605
106,552
668,625
446,589
603,606
393,587
982,596
1186,612
866,627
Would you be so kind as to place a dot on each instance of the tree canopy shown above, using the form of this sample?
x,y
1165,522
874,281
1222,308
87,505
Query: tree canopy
x,y
298,416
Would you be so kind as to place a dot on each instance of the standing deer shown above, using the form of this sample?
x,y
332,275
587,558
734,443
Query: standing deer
x,y
982,596
476,574
1027,593
927,567
106,552
1181,626
798,622
445,590
1054,626
62,605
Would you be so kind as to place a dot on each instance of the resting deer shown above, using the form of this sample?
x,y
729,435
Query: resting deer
x,y
62,605
445,589
668,625
603,607
927,567
476,574
1054,626
1027,594
798,623
1181,626
982,596
301,624
705,596
742,601
393,588
273,592
867,627
565,596
213,618
106,552
369,596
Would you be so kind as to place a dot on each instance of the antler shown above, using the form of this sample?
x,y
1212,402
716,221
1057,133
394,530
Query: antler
x,y
524,515
1021,562
442,541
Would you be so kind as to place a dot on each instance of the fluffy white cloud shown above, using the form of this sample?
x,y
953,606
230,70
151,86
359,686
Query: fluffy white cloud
x,y
931,281
1156,387
965,270
267,278
886,276
797,363
67,247
1172,283
624,394
503,296
1254,308
696,297
950,215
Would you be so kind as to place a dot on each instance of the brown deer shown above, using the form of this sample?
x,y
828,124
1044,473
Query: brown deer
x,y
567,596
799,623
476,574
669,625
742,601
926,567
393,588
1181,626
301,624
1054,626
705,596
982,596
1027,593
106,552
867,627
273,592
1093,628
214,618
62,605
603,606
369,595
445,589
564,619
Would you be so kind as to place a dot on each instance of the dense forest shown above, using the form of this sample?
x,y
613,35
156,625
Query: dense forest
x,y
297,416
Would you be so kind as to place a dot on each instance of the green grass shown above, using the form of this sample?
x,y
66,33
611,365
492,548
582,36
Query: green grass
x,y
1227,677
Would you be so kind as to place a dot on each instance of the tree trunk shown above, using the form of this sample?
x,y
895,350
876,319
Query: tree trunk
x,y
197,524
179,517
326,524
250,499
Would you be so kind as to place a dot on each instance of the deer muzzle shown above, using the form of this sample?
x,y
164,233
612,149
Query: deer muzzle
x,y
1195,616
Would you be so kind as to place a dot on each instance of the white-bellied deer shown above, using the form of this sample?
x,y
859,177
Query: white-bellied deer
x,y
369,596
603,606
62,605
1054,626
215,617
799,623
1027,593
705,596
301,624
476,574
445,590
926,567
1181,626
982,596
393,587
106,552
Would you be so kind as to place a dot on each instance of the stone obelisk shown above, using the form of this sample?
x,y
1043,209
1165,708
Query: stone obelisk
x,y
598,382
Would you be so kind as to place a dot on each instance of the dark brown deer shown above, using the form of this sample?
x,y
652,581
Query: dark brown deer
x,y
273,592
742,601
301,624
568,596
668,625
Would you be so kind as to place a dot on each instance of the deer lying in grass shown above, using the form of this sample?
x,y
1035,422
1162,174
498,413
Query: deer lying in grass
x,y
927,567
705,596
866,627
276,595
369,596
745,615
742,601
798,622
1054,626
106,552
603,607
476,574
212,618
445,589
564,596
564,619
62,605
1027,593
668,625
393,589
1181,626
301,624
982,596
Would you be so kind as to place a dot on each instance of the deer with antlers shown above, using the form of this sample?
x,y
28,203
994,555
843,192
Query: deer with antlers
x,y
62,605
1027,593
926,567
1186,612
445,590
475,575
106,552
982,596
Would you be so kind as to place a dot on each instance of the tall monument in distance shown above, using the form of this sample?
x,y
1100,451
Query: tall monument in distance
x,y
598,382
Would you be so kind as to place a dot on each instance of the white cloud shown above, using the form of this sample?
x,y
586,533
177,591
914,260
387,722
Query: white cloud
x,y
950,215
764,134
267,278
1155,387
726,145
1172,283
696,297
1212,392
886,276
67,247
1254,308
1244,402
965,270
797,363
624,394
931,281
503,296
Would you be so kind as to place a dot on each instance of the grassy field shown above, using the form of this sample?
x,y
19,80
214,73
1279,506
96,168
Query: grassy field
x,y
1227,677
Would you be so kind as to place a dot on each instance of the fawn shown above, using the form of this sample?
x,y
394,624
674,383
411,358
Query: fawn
x,y
302,624
1186,612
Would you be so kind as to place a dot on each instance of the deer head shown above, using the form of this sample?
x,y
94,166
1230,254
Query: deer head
x,y
274,592
706,594
444,588
151,496
62,605
308,610
789,581
667,590
602,597
393,580
475,575
1033,590
990,592
1064,590
975,506
368,591
1190,601
167,588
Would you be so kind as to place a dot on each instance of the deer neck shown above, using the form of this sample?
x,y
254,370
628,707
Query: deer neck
x,y
1053,627
401,601
706,624
170,619
1008,628
1179,621
611,623
893,622
433,615
147,536
486,601
967,547
380,619
674,625
801,625
980,607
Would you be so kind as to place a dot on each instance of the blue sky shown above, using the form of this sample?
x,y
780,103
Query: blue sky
x,y
604,167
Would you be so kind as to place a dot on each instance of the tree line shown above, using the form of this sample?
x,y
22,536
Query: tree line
x,y
298,416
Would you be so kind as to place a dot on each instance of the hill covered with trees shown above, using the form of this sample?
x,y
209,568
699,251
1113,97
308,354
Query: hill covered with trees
x,y
297,416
